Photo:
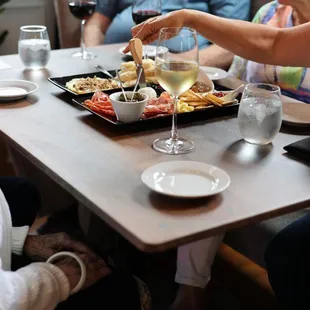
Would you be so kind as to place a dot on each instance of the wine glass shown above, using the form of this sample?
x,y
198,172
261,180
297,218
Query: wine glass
x,y
83,9
142,10
177,69
145,9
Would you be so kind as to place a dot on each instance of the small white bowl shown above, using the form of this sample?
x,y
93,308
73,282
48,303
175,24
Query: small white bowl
x,y
128,112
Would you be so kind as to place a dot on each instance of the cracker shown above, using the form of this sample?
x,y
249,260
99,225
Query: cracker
x,y
198,103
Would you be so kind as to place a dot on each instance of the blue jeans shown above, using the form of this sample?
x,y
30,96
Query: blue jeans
x,y
288,264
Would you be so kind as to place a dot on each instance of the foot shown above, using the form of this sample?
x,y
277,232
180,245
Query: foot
x,y
189,298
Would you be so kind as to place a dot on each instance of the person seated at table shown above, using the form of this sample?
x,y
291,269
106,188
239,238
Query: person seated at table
x,y
287,260
256,42
28,283
113,20
293,81
194,262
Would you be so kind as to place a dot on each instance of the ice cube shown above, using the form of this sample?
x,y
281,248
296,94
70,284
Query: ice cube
x,y
261,112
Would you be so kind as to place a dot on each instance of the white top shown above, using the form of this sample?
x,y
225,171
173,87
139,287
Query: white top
x,y
35,287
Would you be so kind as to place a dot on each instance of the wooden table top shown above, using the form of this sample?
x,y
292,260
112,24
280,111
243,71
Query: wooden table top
x,y
102,168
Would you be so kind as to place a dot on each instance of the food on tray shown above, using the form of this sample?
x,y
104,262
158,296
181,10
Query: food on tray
x,y
159,106
219,94
203,100
90,85
100,103
184,107
200,87
131,66
128,74
135,98
148,91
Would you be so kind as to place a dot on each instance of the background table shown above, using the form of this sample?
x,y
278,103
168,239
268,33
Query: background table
x,y
102,168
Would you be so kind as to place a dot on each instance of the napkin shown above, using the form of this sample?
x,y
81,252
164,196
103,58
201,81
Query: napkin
x,y
300,149
4,65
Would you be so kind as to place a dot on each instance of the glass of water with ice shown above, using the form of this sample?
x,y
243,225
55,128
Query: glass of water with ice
x,y
34,46
260,113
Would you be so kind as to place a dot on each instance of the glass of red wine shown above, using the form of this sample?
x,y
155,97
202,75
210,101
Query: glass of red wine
x,y
142,10
83,9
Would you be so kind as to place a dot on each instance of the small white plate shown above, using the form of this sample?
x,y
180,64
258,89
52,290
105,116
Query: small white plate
x,y
296,114
186,179
214,73
16,89
149,49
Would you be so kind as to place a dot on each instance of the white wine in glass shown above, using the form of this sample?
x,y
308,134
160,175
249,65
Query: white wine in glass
x,y
176,70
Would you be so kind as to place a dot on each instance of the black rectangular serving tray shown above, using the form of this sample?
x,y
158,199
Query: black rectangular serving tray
x,y
62,81
188,117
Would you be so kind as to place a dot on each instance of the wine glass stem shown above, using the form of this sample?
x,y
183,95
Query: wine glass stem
x,y
83,48
174,130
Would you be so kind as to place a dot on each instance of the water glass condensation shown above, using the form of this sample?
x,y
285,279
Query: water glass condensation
x,y
34,46
260,113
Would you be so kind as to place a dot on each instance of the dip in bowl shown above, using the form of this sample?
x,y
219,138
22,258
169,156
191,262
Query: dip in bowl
x,y
130,111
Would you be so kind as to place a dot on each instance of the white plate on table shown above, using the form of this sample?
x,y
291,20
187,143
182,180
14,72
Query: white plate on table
x,y
186,179
296,114
16,89
214,73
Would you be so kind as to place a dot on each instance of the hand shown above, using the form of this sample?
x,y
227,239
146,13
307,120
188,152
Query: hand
x,y
148,31
95,270
40,248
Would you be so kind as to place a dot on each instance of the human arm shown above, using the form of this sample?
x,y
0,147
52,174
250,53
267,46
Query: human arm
x,y
259,43
214,55
95,29
98,24
40,285
40,247
43,286
239,65
37,286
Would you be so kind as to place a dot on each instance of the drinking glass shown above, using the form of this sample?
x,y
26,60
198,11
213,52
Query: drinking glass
x,y
260,113
145,9
176,66
34,46
83,9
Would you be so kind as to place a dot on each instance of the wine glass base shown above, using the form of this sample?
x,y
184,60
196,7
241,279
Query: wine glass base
x,y
173,147
84,55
